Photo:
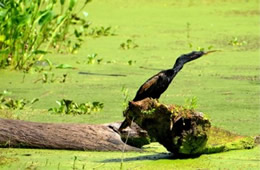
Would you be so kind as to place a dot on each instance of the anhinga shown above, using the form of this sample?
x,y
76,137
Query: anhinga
x,y
158,83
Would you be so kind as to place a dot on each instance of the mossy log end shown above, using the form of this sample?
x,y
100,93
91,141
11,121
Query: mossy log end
x,y
132,135
24,134
181,131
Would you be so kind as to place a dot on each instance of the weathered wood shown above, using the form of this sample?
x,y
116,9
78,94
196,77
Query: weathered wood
x,y
17,133
133,135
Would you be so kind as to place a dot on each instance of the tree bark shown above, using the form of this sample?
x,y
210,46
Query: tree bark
x,y
17,133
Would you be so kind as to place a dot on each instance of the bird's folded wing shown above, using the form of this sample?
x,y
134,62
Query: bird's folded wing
x,y
152,82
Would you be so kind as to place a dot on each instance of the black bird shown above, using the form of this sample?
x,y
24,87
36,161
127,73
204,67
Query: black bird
x,y
158,83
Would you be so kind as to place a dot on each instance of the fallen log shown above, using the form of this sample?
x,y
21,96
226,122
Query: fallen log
x,y
17,133
181,131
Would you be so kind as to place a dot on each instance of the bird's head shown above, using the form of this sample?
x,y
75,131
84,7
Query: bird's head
x,y
193,56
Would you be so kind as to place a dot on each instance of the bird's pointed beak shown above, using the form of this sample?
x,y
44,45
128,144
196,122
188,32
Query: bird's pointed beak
x,y
212,51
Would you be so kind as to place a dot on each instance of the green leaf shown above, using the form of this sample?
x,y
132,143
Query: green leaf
x,y
5,51
2,5
34,100
65,66
3,13
60,19
49,62
2,38
210,47
62,2
58,102
200,49
46,17
40,52
23,19
72,4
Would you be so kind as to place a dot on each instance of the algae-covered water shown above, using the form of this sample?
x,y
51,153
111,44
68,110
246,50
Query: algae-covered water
x,y
226,84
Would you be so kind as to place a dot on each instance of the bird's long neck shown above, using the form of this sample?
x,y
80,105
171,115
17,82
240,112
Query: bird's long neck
x,y
176,68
